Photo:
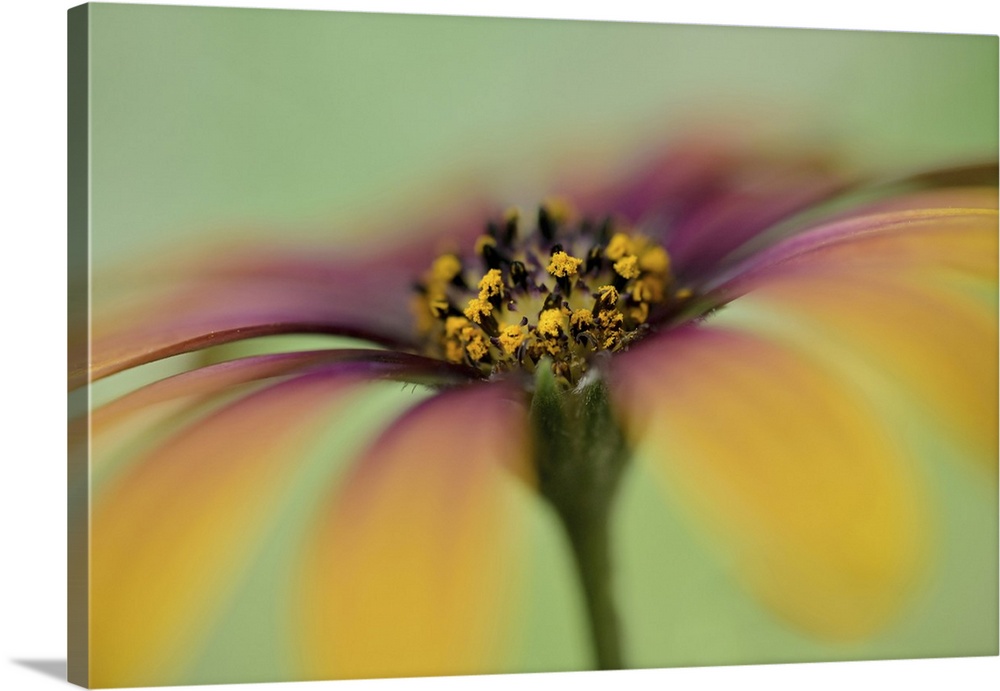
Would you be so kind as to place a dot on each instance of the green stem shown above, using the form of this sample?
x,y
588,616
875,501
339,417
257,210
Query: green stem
x,y
580,454
593,562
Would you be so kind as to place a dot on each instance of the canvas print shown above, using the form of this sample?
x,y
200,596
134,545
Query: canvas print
x,y
421,345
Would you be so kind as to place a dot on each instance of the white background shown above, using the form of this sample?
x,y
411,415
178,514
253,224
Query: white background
x,y
33,256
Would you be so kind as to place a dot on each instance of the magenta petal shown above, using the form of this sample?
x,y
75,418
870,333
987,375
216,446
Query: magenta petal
x,y
705,199
212,313
803,251
229,293
740,211
206,381
672,184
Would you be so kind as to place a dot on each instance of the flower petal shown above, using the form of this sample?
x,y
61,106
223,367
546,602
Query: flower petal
x,y
141,419
414,569
229,293
746,203
169,537
909,295
209,312
706,199
787,464
205,381
935,234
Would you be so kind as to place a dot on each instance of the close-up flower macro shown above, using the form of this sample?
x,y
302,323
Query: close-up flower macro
x,y
709,393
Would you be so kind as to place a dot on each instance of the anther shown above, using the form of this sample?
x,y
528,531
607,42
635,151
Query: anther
x,y
609,283
552,301
627,266
518,274
492,257
546,224
604,232
594,259
510,229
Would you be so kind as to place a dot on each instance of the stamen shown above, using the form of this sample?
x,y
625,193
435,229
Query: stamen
x,y
560,209
580,320
478,309
593,259
572,321
655,260
545,224
510,339
492,258
475,344
628,266
618,247
445,268
482,241
519,274
454,325
562,265
550,323
607,296
438,305
491,285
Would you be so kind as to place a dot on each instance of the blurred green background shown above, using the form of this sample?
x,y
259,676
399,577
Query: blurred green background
x,y
289,123
208,117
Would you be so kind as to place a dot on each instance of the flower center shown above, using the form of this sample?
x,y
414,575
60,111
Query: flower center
x,y
565,289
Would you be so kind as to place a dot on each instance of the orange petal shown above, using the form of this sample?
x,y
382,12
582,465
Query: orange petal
x,y
415,569
913,303
120,430
787,465
170,537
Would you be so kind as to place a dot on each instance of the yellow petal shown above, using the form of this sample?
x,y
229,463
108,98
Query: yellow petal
x,y
169,537
916,307
416,566
787,466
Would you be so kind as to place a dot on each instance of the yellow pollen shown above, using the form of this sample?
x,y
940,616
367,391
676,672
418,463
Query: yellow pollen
x,y
648,289
627,266
453,325
619,245
581,319
550,323
559,209
475,345
453,351
422,310
655,260
562,265
639,313
608,294
477,309
438,304
474,318
445,268
511,339
482,241
609,319
491,284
